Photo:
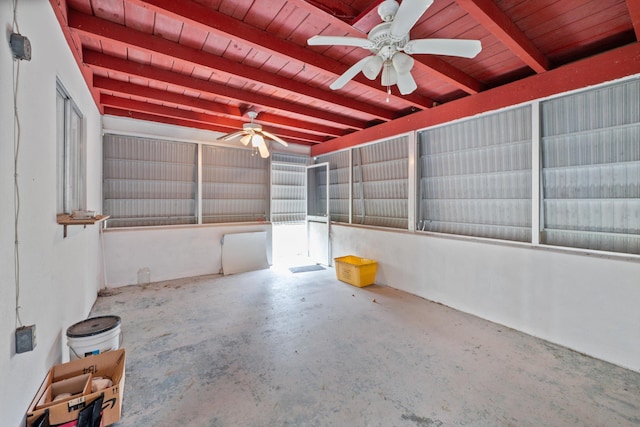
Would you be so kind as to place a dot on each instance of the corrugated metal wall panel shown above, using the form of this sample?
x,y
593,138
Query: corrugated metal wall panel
x,y
338,184
287,193
380,183
234,185
148,182
591,169
475,177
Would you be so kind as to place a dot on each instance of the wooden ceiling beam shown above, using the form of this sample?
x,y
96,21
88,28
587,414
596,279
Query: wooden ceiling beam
x,y
231,125
159,95
368,18
494,20
452,75
210,20
634,12
101,29
59,10
111,63
119,112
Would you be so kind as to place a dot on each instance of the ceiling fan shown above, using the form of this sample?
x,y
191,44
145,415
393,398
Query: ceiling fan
x,y
389,42
252,133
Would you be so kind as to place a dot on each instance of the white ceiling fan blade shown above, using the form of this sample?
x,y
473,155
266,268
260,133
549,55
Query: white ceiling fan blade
x,y
451,47
231,136
340,41
275,138
406,83
372,67
407,16
264,151
349,74
245,139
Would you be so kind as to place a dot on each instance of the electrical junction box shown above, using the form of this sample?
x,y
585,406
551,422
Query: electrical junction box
x,y
20,46
25,338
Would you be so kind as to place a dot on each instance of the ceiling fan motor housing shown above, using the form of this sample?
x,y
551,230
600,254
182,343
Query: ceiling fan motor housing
x,y
255,127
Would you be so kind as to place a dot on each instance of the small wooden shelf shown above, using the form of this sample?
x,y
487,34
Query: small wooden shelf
x,y
66,219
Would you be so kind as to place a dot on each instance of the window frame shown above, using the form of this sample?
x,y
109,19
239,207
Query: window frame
x,y
71,153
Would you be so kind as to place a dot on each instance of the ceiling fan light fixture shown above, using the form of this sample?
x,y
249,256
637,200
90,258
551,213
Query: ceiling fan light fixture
x,y
246,139
372,67
257,140
402,62
387,10
389,75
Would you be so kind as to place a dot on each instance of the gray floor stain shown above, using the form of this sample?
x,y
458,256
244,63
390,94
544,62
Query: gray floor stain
x,y
422,421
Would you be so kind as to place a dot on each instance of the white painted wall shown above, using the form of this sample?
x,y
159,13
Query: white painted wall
x,y
585,302
168,252
59,278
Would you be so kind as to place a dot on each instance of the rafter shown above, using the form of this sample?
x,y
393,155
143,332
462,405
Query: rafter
x,y
212,21
368,18
229,124
174,121
489,15
225,110
634,12
101,29
107,63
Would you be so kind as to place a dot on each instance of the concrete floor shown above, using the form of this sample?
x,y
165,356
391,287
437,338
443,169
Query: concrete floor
x,y
273,348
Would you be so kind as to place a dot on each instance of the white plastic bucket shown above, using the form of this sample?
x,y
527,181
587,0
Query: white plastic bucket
x,y
94,336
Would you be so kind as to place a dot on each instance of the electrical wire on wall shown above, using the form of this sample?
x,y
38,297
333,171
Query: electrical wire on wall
x,y
16,156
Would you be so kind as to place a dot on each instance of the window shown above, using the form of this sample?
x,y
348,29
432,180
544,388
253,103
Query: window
x,y
149,182
71,161
380,183
475,177
234,185
155,182
288,188
591,169
338,184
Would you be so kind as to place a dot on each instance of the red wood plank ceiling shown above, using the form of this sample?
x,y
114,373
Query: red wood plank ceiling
x,y
205,63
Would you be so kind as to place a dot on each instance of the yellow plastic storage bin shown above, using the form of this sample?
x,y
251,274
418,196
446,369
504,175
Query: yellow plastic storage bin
x,y
356,271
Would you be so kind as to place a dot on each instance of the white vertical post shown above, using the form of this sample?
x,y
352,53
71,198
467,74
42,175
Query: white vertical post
x,y
350,185
412,183
535,173
199,186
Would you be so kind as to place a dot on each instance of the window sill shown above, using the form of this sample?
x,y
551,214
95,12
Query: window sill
x,y
66,219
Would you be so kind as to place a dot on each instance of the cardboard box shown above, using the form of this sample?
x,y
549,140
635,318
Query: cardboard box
x,y
110,364
77,386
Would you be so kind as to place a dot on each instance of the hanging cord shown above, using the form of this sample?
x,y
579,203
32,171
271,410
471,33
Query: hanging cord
x,y
16,152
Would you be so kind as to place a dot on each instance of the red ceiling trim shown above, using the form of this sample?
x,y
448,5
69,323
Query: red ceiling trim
x,y
230,125
489,15
611,65
110,63
467,84
145,92
210,20
634,12
126,37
